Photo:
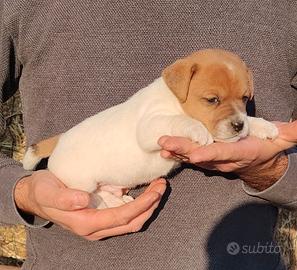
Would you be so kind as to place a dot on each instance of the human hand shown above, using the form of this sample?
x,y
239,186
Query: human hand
x,y
225,157
288,131
44,195
251,158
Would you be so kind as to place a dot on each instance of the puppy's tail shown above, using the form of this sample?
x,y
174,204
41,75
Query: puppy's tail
x,y
36,152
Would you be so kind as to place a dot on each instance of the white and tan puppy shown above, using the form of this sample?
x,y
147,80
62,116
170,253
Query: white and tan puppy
x,y
202,97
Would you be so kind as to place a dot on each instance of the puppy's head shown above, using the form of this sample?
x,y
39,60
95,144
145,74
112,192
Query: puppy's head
x,y
213,86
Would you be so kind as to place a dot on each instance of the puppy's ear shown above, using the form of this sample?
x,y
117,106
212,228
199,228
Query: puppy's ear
x,y
251,83
178,77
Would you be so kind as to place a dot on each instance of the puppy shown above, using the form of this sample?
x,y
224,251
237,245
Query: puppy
x,y
202,97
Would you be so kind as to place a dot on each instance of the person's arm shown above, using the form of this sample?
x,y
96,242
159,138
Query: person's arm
x,y
281,175
288,131
275,180
44,195
280,181
35,198
262,164
267,174
10,170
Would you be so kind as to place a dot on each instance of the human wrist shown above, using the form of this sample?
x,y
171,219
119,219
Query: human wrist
x,y
264,175
21,194
287,131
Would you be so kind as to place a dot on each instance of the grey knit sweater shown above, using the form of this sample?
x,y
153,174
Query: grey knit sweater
x,y
72,59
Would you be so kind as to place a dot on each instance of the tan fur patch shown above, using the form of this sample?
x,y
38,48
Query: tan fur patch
x,y
217,73
45,148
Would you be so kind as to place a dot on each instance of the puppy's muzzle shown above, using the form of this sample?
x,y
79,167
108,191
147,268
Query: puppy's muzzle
x,y
232,128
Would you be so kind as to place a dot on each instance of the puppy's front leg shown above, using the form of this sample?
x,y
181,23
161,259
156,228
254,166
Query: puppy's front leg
x,y
151,129
262,128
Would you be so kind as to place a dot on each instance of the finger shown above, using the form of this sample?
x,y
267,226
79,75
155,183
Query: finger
x,y
171,155
102,219
188,151
178,145
130,211
119,216
207,166
64,199
214,152
166,154
134,226
108,218
158,185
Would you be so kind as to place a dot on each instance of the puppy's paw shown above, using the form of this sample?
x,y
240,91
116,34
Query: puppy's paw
x,y
262,129
127,198
109,200
198,133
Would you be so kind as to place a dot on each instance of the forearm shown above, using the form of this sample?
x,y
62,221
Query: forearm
x,y
265,175
288,131
13,209
21,195
284,191
9,176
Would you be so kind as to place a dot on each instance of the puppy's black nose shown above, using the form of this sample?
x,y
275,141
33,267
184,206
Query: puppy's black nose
x,y
237,125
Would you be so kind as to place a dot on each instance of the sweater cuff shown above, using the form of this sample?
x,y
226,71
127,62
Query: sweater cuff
x,y
9,213
284,191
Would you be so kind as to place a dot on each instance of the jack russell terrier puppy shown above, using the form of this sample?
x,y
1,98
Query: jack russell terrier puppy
x,y
202,97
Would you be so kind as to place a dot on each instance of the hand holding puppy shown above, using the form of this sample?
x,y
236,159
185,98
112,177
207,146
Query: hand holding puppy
x,y
45,195
260,163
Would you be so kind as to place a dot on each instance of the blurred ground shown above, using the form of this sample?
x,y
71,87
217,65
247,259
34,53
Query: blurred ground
x,y
12,143
286,236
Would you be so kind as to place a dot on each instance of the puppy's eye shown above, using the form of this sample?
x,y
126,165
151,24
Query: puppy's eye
x,y
245,99
213,100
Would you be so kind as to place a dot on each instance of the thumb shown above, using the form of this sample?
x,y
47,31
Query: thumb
x,y
65,199
178,145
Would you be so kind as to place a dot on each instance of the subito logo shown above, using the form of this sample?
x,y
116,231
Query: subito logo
x,y
233,248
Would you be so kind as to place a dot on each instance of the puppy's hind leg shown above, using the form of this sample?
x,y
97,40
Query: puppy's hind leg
x,y
37,152
111,196
109,200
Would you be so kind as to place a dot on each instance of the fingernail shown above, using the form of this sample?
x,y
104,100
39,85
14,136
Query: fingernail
x,y
161,190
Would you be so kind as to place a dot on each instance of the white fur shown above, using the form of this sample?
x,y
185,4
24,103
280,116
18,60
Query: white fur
x,y
262,129
30,160
119,145
253,126
224,131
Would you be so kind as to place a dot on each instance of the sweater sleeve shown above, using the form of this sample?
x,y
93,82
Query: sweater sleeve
x,y
284,192
10,170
